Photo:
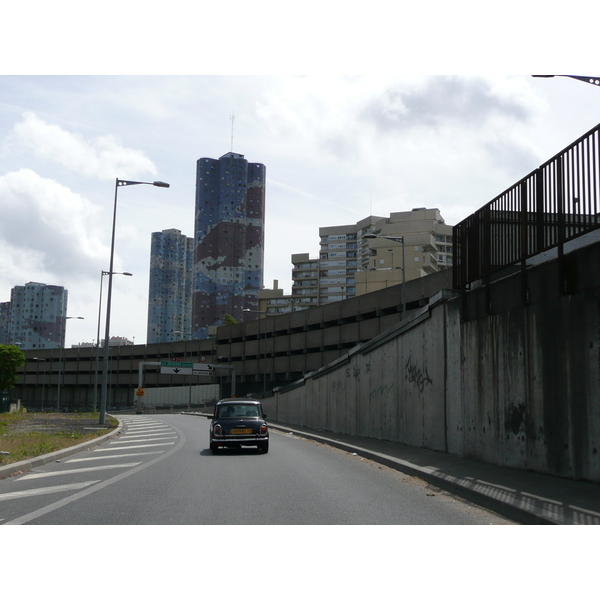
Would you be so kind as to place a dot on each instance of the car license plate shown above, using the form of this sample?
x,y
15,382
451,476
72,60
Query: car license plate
x,y
241,431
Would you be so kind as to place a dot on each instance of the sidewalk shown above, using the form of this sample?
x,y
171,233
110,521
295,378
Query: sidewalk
x,y
524,496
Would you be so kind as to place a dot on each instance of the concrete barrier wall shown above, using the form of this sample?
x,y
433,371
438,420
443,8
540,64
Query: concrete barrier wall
x,y
181,395
393,391
518,387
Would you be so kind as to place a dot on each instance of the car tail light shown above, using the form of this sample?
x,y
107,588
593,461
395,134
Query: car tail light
x,y
218,430
263,429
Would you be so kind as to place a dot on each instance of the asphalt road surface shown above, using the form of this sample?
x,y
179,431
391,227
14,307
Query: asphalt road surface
x,y
160,471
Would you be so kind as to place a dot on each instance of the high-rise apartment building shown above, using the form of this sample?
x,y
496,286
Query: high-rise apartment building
x,y
229,240
37,316
332,276
351,264
4,316
427,248
170,293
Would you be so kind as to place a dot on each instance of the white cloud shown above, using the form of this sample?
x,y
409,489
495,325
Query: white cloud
x,y
99,158
47,228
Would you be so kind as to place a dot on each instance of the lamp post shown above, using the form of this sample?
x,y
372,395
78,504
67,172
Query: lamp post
x,y
182,339
399,239
98,336
261,312
60,353
119,183
43,380
584,78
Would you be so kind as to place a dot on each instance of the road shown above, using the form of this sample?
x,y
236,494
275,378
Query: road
x,y
160,471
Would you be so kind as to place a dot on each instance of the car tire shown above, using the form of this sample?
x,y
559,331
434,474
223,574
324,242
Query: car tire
x,y
213,448
264,447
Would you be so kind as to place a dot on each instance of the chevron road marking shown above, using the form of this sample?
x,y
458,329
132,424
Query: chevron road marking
x,y
128,441
83,470
76,460
47,490
147,435
131,447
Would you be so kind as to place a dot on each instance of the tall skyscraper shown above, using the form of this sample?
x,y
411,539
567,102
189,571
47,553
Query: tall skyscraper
x,y
229,240
4,321
37,316
170,294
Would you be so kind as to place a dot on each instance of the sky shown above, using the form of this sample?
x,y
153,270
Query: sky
x,y
337,148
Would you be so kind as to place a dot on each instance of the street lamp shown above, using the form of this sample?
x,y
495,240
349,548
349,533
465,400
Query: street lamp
x,y
399,239
60,352
584,78
98,335
119,183
261,312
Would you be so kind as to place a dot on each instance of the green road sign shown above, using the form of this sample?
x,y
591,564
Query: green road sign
x,y
181,365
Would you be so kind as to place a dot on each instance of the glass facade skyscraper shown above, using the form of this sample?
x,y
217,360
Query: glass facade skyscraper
x,y
228,238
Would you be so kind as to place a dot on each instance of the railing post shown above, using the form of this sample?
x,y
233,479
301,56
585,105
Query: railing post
x,y
560,216
540,225
524,239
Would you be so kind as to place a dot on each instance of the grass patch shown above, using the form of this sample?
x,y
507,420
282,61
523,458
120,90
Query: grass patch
x,y
25,436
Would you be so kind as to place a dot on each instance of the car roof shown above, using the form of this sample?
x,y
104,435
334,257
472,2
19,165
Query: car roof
x,y
236,401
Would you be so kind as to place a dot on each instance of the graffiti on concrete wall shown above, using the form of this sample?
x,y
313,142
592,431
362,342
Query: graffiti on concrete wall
x,y
383,390
355,371
417,375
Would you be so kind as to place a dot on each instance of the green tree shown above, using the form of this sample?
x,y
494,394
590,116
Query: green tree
x,y
11,360
229,320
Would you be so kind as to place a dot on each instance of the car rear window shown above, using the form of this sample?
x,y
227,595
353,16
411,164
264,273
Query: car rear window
x,y
237,410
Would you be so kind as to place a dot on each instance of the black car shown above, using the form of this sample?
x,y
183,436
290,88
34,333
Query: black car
x,y
236,423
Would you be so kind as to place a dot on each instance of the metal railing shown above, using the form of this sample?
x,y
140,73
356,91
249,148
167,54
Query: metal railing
x,y
552,205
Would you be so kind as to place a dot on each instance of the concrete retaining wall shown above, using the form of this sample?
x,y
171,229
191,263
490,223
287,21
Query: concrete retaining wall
x,y
483,376
176,396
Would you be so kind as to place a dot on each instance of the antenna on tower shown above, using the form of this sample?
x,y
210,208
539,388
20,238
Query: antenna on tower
x,y
232,120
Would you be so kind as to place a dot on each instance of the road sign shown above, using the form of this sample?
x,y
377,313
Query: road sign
x,y
140,392
203,367
177,370
178,365
169,367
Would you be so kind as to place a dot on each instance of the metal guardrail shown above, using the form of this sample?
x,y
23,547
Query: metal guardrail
x,y
552,205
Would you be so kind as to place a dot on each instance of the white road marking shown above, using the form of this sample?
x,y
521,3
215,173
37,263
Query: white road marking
x,y
132,447
83,470
138,427
140,435
100,485
74,460
123,442
47,490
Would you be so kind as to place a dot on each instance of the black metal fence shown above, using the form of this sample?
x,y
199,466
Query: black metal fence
x,y
552,205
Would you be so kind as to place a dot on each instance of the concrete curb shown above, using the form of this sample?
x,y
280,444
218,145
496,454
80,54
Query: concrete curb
x,y
26,465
